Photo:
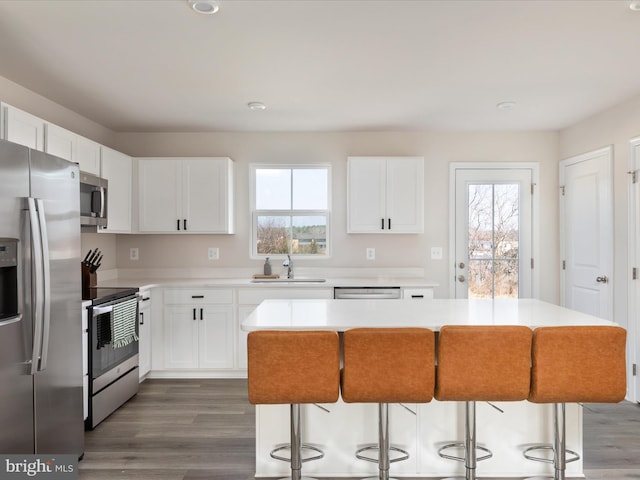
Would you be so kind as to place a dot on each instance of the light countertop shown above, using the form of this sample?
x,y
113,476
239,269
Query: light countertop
x,y
340,315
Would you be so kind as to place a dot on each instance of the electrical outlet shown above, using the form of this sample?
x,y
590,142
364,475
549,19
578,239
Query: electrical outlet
x,y
436,253
213,253
371,253
133,254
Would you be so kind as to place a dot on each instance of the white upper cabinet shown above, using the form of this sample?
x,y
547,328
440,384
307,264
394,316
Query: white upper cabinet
x,y
185,195
385,195
59,142
117,169
87,155
22,127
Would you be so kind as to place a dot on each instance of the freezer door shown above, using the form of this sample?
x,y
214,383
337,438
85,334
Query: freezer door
x,y
16,382
59,422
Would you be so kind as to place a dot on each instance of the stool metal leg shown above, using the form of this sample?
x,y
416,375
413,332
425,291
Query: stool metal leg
x,y
384,460
559,446
296,447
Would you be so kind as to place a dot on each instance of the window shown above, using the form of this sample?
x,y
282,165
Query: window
x,y
290,210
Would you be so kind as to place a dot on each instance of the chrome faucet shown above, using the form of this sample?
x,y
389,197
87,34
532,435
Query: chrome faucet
x,y
289,264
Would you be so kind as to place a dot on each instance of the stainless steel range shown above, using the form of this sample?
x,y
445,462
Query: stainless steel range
x,y
113,350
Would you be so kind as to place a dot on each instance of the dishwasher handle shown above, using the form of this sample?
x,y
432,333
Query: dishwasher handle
x,y
366,296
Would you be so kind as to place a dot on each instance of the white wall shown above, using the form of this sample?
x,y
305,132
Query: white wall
x,y
439,149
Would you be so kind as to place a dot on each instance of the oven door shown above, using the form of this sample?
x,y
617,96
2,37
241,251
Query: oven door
x,y
105,357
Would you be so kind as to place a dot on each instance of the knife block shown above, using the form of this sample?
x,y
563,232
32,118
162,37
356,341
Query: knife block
x,y
89,280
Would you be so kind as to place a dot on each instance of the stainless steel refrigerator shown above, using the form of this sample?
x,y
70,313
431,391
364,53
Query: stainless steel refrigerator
x,y
40,304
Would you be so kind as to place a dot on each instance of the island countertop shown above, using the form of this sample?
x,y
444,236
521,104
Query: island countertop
x,y
340,315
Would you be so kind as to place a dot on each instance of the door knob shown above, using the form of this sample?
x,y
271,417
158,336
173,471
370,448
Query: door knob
x,y
461,278
602,279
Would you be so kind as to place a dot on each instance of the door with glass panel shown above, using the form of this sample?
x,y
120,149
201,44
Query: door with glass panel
x,y
493,232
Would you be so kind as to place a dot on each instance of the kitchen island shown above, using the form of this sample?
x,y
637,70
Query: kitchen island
x,y
419,428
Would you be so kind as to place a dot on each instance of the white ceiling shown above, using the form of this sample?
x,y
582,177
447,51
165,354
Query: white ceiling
x,y
323,65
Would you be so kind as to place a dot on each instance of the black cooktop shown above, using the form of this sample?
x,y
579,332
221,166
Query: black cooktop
x,y
99,295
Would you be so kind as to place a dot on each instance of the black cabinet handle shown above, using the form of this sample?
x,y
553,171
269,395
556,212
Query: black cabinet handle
x,y
141,318
194,313
382,223
178,224
197,296
184,224
389,224
201,314
417,296
145,299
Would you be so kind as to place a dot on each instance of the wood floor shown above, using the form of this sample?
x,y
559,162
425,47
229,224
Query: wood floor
x,y
204,429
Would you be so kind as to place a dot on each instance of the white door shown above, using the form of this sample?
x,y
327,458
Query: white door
x,y
117,167
586,233
493,214
160,187
204,195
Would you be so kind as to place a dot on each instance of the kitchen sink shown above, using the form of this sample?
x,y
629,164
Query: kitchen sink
x,y
288,280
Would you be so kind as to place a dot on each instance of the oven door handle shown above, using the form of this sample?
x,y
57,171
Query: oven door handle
x,y
101,310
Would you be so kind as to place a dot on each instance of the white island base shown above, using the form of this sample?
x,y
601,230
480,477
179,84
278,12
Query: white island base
x,y
349,426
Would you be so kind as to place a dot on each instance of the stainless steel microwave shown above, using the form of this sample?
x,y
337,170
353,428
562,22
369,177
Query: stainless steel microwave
x,y
93,200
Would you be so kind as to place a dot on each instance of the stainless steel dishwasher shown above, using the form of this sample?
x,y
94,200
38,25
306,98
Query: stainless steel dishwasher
x,y
370,293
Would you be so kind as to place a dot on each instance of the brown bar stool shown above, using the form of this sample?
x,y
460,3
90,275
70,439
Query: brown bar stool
x,y
294,367
575,364
387,365
483,363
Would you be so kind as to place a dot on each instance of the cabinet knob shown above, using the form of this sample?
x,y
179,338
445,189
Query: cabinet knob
x,y
461,278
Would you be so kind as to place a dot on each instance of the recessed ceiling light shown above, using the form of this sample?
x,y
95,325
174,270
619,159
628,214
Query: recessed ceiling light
x,y
206,7
506,105
256,106
635,5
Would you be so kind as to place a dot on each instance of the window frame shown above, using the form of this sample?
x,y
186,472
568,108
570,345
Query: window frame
x,y
255,213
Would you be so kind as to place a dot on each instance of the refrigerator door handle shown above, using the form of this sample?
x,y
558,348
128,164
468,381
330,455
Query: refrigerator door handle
x,y
38,287
46,269
11,320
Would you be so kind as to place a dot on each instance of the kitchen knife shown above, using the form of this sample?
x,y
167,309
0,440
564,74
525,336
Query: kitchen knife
x,y
98,261
93,256
86,258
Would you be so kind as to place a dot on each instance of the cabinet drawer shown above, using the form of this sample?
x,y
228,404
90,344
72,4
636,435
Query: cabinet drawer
x,y
253,296
418,293
195,296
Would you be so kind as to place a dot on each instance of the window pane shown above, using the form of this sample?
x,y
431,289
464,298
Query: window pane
x,y
506,220
273,189
309,235
480,279
480,221
310,189
274,234
505,282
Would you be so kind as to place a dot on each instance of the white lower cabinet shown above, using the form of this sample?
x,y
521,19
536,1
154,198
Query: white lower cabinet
x,y
198,329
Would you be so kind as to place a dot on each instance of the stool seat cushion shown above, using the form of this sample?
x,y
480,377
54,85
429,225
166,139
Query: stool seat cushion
x,y
293,367
388,365
578,364
483,363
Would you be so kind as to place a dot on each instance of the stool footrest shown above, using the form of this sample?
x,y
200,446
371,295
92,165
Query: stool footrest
x,y
404,456
305,446
441,453
574,456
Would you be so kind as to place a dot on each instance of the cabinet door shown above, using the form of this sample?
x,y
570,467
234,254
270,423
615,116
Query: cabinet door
x,y
159,191
216,336
144,325
23,128
117,169
59,142
180,337
88,155
405,195
205,194
366,209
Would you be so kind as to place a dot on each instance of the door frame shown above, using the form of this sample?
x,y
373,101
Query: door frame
x,y
633,287
534,167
